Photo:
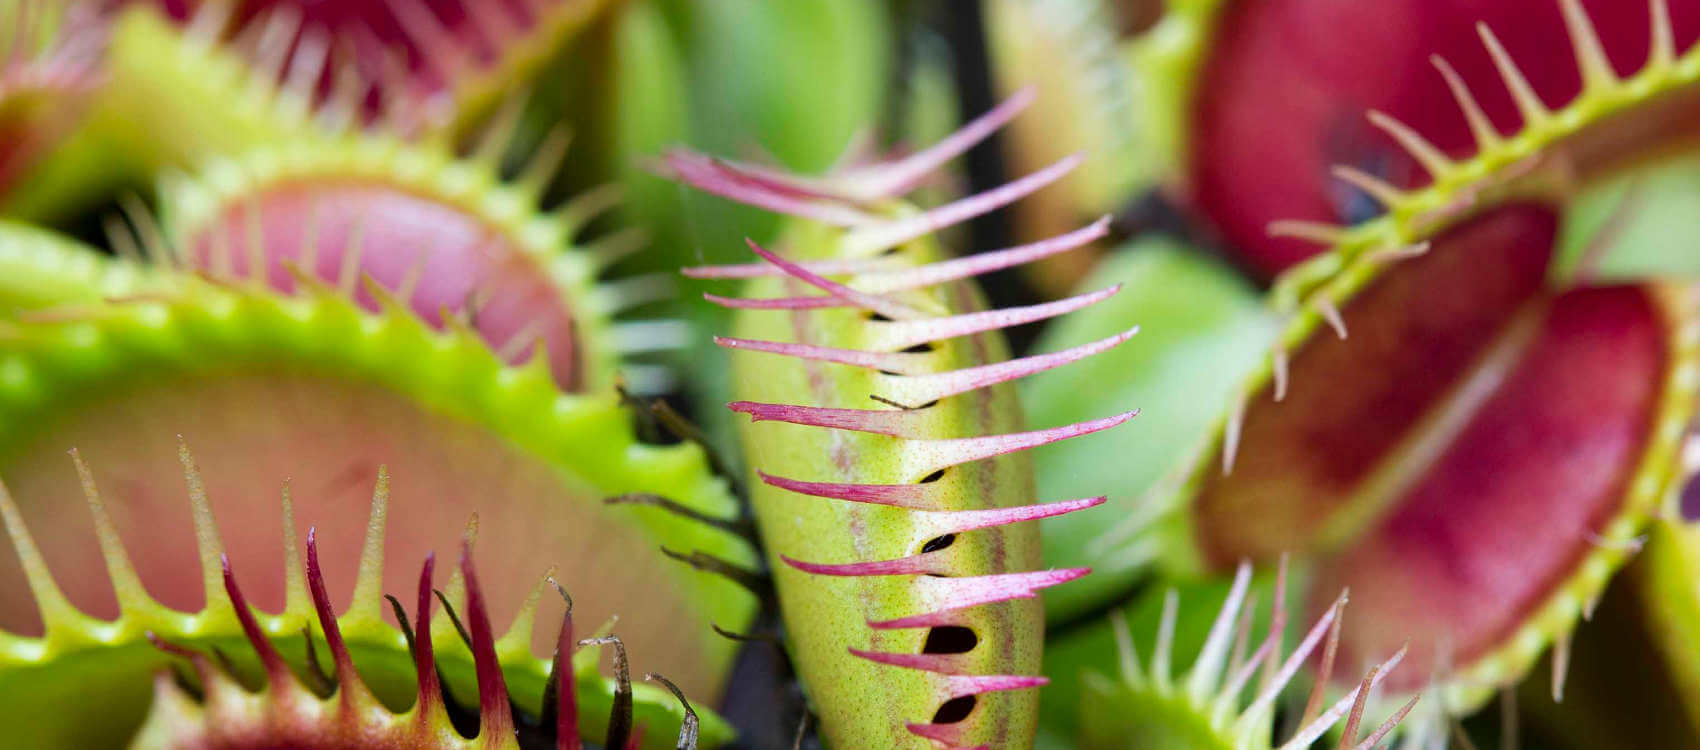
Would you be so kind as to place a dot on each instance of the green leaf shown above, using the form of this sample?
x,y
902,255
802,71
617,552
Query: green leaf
x,y
1637,225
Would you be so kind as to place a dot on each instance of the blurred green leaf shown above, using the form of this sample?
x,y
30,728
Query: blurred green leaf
x,y
1635,225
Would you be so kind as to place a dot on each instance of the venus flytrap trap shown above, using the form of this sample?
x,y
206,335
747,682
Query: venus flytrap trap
x,y
1385,488
379,258
446,236
1389,510
420,67
433,66
224,76
1203,708
375,666
904,568
312,386
1425,351
1500,360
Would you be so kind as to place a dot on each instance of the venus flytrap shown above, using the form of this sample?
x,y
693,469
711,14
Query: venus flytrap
x,y
446,236
1425,351
897,534
179,83
1483,374
312,387
1226,699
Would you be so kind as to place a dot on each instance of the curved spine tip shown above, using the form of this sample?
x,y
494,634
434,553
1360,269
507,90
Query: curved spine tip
x,y
269,657
430,703
495,718
345,674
